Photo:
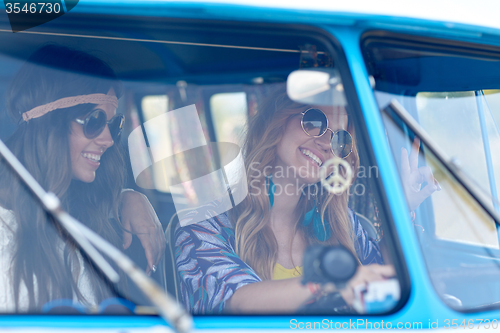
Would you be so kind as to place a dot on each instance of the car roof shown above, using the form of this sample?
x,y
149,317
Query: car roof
x,y
173,65
480,13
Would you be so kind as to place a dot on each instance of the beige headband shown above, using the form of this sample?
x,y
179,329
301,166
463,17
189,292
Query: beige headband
x,y
68,102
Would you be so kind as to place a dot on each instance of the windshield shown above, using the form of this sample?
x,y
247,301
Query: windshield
x,y
184,150
453,97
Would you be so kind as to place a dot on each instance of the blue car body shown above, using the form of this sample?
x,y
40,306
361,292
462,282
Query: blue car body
x,y
422,303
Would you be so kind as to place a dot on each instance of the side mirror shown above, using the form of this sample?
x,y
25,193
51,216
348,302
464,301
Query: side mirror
x,y
316,87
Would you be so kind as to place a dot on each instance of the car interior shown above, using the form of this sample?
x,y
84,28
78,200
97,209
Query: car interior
x,y
223,68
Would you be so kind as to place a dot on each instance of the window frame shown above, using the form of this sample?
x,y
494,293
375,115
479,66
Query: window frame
x,y
374,39
335,48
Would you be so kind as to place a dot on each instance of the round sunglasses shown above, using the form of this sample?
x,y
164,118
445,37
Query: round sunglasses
x,y
95,123
315,123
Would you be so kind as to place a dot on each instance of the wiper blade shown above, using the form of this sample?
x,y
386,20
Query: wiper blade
x,y
168,308
88,241
482,199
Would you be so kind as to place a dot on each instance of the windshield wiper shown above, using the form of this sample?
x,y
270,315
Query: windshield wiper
x,y
482,199
88,241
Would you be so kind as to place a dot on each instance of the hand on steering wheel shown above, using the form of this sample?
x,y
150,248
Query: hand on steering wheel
x,y
364,275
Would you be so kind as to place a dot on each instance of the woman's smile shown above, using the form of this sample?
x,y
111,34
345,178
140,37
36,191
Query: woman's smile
x,y
313,156
93,158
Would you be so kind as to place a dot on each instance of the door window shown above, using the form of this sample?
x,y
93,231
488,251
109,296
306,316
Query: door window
x,y
451,93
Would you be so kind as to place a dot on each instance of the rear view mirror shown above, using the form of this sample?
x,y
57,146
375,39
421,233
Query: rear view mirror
x,y
316,86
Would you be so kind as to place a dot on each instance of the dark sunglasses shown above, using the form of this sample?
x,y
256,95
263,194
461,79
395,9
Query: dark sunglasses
x,y
95,123
315,123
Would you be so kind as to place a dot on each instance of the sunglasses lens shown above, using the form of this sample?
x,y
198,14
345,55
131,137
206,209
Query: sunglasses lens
x,y
342,144
116,126
314,122
95,124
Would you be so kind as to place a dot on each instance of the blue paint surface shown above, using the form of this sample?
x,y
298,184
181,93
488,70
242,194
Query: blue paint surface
x,y
423,302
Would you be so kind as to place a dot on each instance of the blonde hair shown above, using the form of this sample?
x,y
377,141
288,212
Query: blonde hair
x,y
255,241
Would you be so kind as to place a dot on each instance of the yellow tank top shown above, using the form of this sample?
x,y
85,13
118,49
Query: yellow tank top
x,y
280,272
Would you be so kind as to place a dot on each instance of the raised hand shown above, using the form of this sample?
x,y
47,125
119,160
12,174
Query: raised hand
x,y
413,177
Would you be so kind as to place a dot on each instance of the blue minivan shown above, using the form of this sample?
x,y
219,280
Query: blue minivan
x,y
263,166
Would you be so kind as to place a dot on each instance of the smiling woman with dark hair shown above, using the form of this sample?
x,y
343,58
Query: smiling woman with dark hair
x,y
65,102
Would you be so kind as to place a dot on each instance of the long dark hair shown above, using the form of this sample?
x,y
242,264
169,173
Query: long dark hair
x,y
42,145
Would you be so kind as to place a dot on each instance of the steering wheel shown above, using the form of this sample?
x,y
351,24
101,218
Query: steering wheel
x,y
331,303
